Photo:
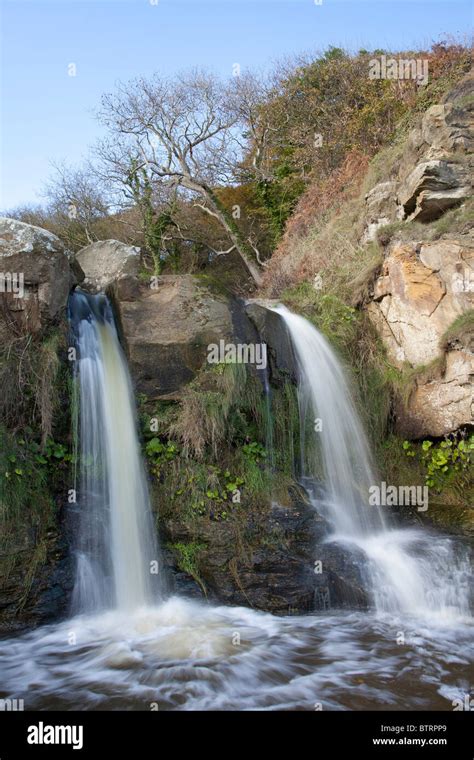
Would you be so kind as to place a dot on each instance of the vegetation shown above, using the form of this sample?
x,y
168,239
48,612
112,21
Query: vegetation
x,y
207,453
188,559
460,332
34,466
446,461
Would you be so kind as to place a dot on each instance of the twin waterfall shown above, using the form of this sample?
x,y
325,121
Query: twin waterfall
x,y
406,570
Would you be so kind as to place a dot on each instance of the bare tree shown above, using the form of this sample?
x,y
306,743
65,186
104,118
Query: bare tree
x,y
186,135
74,195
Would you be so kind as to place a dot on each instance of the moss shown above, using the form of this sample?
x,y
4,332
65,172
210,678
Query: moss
x,y
286,424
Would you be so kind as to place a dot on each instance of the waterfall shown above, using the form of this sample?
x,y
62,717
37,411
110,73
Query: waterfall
x,y
114,534
409,570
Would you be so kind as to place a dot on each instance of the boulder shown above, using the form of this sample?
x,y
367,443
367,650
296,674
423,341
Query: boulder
x,y
432,188
36,274
167,325
381,208
105,262
448,127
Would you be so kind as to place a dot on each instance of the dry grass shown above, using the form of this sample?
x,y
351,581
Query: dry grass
x,y
202,419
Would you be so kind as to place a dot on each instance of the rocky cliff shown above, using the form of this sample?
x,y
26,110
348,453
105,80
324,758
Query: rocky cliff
x,y
424,293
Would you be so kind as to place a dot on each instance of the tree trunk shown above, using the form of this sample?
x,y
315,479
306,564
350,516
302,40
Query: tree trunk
x,y
243,249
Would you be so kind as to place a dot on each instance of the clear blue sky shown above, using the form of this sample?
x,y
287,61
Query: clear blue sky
x,y
47,115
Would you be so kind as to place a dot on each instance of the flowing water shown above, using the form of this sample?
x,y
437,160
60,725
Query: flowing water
x,y
115,543
183,655
410,571
126,649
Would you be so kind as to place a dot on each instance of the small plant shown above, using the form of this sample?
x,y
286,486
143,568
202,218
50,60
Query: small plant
x,y
443,461
254,451
160,453
187,557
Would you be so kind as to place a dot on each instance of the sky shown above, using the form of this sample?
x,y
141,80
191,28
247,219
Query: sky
x,y
47,114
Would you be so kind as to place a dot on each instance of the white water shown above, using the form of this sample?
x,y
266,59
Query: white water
x,y
115,533
409,571
184,655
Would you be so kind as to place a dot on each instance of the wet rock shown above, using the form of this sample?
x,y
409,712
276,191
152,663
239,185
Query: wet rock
x,y
23,607
269,564
272,331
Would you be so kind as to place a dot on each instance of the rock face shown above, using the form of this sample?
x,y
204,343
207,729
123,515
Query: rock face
x,y
432,188
105,262
419,295
167,326
434,172
269,562
424,286
422,290
381,208
443,404
271,330
36,274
